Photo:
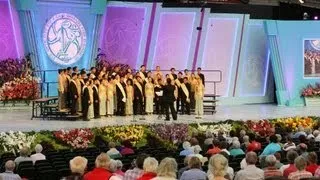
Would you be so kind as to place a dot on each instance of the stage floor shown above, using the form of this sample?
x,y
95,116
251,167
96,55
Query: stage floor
x,y
18,118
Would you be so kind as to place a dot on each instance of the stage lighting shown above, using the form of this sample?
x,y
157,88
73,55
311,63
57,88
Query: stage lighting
x,y
301,1
315,17
305,16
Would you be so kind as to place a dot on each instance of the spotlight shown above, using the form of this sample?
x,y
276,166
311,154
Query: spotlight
x,y
315,17
301,1
305,16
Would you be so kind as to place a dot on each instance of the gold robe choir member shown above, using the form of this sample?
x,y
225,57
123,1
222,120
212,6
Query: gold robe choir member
x,y
149,93
199,93
91,106
103,97
110,97
79,82
130,97
61,90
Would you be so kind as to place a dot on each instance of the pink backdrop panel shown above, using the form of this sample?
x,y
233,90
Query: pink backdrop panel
x,y
122,33
219,51
17,30
174,39
7,40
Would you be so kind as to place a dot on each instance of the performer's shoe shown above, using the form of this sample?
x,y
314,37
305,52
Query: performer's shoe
x,y
167,119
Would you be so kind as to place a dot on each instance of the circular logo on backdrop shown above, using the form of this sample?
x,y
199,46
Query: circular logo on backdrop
x,y
315,44
64,39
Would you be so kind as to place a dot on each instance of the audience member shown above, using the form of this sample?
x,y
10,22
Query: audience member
x,y
316,134
194,144
302,149
209,138
150,166
24,156
254,145
9,174
119,171
230,171
242,134
278,163
224,147
194,171
167,169
301,164
309,133
300,132
251,171
78,166
38,155
218,165
271,148
287,169
186,166
271,169
197,151
112,168
289,145
137,171
127,148
279,138
216,148
187,150
312,162
113,152
246,142
236,150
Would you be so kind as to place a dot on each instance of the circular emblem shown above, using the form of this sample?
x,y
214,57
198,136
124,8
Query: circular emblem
x,y
64,39
315,44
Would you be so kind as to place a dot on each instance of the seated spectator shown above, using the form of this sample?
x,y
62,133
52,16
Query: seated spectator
x,y
194,144
287,169
197,151
186,166
301,173
271,148
316,134
309,133
251,171
289,145
102,169
112,168
150,166
302,149
9,174
187,150
312,162
194,171
209,138
224,147
218,165
137,171
271,169
119,171
241,135
127,148
246,142
230,171
279,138
216,148
24,156
167,170
300,132
232,135
221,136
78,166
278,163
254,145
38,155
113,152
236,150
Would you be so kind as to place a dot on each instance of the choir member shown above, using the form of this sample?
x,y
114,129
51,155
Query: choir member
x,y
158,99
157,73
199,94
187,74
169,97
149,75
138,96
74,95
121,96
79,81
61,90
201,75
103,96
75,69
172,74
102,72
178,82
93,72
193,83
96,98
85,100
66,88
91,100
149,95
110,97
142,73
130,97
185,96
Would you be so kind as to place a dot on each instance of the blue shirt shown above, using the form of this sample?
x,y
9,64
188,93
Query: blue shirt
x,y
236,152
298,134
186,152
271,149
193,174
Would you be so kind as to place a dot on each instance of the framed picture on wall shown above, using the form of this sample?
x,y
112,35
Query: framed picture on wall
x,y
311,49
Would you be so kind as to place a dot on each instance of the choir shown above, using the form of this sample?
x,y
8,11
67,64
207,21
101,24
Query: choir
x,y
106,93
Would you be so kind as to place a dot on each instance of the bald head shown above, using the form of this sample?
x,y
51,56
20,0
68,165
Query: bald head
x,y
10,165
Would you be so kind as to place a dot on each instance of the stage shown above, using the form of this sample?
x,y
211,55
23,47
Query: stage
x,y
18,118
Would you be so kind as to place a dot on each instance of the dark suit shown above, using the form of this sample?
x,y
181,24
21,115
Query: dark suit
x,y
179,95
120,104
96,104
85,102
202,78
73,91
168,97
158,100
185,105
174,76
138,100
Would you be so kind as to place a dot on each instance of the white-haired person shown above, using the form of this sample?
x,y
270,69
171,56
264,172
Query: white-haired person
x,y
197,151
187,149
38,155
24,156
113,167
301,164
217,170
119,171
235,149
271,169
250,171
9,173
167,170
78,166
194,171
150,166
113,152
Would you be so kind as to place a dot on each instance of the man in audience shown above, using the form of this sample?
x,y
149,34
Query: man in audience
x,y
251,171
38,155
224,147
254,145
24,156
316,134
113,152
271,148
287,169
136,172
312,162
216,148
301,164
278,163
78,166
300,132
194,171
8,174
187,149
271,170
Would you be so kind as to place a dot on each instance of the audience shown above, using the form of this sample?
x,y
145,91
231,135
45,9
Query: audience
x,y
9,173
271,148
250,171
119,171
301,164
254,145
78,166
246,142
300,132
216,148
194,171
24,152
137,171
271,169
167,170
289,145
187,150
113,152
224,147
186,166
235,149
194,144
38,155
312,162
209,138
127,148
316,134
150,166
218,165
278,163
287,169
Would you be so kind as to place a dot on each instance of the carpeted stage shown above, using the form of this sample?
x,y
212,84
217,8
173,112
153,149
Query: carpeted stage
x,y
18,118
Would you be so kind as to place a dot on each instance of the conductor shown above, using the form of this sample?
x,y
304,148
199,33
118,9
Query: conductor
x,y
168,100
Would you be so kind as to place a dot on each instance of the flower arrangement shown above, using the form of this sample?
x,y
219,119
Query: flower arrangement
x,y
311,91
13,141
294,122
175,133
133,133
262,127
216,128
76,138
20,89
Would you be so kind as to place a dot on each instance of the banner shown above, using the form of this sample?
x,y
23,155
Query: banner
x,y
312,58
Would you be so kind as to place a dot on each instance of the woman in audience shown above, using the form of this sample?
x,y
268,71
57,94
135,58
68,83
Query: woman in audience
x,y
119,171
113,167
289,145
167,169
224,147
195,144
216,148
254,145
194,171
137,171
236,150
24,156
187,150
78,166
197,151
287,169
127,148
218,165
246,142
301,164
186,166
113,152
273,147
209,138
278,163
312,162
271,169
38,155
150,166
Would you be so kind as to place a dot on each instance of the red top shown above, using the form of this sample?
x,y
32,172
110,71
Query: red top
x,y
97,173
147,176
119,172
127,151
289,170
312,168
214,150
254,146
